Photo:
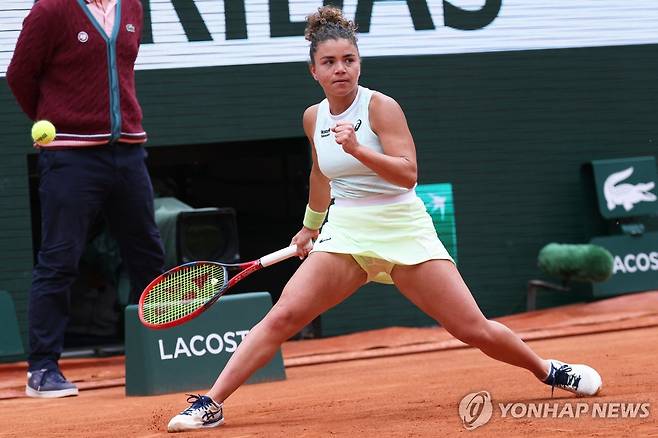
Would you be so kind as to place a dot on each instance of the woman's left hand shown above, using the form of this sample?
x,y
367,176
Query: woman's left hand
x,y
346,136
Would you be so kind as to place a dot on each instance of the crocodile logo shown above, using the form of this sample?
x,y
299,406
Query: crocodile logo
x,y
626,195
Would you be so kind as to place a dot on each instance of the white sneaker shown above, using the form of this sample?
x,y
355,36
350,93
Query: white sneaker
x,y
203,413
580,379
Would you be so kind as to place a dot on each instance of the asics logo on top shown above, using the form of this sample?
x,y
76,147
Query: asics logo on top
x,y
324,132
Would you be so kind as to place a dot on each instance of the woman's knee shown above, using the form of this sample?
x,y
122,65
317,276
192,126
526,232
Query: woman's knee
x,y
283,322
475,334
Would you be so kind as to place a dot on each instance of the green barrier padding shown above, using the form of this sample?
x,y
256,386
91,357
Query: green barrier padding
x,y
10,338
189,357
634,264
374,306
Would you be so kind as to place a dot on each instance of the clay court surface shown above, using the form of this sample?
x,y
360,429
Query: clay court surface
x,y
397,382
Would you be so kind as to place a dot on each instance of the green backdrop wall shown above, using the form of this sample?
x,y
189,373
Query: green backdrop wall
x,y
510,130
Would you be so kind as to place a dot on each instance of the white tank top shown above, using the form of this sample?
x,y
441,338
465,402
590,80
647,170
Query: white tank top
x,y
350,179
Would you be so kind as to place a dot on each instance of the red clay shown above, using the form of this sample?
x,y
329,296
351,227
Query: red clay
x,y
384,395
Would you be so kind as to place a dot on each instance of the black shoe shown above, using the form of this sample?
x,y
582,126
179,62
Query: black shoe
x,y
49,384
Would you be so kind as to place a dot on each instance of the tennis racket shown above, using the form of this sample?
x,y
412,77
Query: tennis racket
x,y
186,291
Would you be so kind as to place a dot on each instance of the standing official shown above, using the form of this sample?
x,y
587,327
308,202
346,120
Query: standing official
x,y
74,65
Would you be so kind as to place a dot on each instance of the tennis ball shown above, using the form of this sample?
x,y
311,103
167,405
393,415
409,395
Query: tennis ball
x,y
43,132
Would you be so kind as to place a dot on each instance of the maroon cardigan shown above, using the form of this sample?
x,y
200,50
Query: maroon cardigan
x,y
67,70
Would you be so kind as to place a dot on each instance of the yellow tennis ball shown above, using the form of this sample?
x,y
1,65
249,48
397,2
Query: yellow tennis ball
x,y
43,132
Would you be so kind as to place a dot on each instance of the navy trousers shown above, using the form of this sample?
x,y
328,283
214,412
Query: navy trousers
x,y
75,187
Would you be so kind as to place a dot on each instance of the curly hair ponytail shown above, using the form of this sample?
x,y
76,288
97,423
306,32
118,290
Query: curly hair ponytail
x,y
328,23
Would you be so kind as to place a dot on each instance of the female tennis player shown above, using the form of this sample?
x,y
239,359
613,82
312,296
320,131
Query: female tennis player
x,y
378,230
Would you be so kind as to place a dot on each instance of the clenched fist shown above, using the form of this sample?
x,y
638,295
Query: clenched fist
x,y
345,136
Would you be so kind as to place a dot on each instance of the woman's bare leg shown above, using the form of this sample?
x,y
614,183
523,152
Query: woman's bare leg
x,y
438,289
321,282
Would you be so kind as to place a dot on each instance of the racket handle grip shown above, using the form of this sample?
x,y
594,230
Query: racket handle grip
x,y
278,256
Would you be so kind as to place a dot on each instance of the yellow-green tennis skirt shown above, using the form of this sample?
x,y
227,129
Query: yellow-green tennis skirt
x,y
392,230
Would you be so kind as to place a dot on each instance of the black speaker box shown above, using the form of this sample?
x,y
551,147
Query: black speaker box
x,y
207,234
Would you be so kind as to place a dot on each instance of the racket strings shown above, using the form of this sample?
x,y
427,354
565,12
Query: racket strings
x,y
182,292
